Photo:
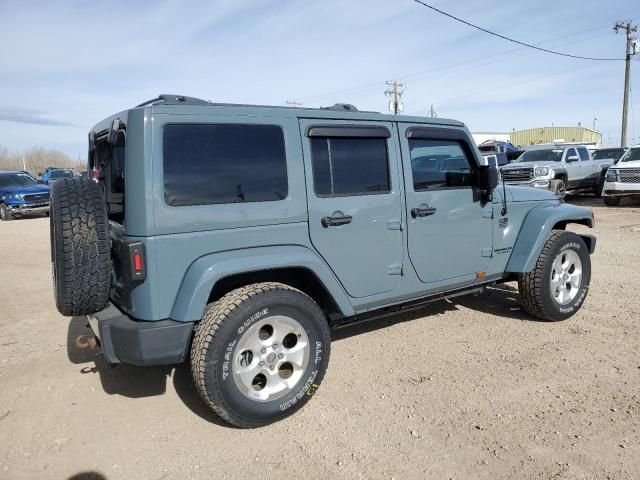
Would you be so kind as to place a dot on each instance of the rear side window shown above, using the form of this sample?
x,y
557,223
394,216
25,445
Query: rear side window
x,y
584,154
349,166
438,164
210,164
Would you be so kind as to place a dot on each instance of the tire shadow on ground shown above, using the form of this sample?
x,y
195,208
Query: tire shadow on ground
x,y
131,381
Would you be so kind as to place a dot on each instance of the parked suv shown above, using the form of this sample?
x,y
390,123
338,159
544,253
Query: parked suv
x,y
559,169
623,180
236,236
20,194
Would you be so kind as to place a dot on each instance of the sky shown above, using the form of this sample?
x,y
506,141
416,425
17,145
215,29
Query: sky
x,y
66,65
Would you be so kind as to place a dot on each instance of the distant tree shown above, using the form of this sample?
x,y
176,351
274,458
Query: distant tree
x,y
37,159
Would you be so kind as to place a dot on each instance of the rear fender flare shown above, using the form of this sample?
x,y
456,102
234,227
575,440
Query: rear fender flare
x,y
203,274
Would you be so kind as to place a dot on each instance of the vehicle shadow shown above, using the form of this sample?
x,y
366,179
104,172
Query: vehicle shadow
x,y
131,381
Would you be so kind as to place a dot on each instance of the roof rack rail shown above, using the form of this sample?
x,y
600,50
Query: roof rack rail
x,y
341,107
169,99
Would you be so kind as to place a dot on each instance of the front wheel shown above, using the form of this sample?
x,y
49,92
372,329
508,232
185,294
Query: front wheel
x,y
5,214
260,353
612,201
556,288
558,187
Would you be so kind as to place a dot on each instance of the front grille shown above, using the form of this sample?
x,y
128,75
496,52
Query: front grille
x,y
517,175
629,175
37,198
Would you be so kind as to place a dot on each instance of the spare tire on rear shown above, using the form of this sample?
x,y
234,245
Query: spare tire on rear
x,y
80,251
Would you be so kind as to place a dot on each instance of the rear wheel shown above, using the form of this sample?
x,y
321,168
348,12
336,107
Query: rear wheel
x,y
5,214
557,286
260,353
80,250
612,201
558,187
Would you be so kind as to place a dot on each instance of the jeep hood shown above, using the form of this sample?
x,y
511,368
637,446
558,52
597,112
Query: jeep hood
x,y
529,194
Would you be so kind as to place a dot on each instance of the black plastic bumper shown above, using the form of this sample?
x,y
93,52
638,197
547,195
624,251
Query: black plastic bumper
x,y
124,340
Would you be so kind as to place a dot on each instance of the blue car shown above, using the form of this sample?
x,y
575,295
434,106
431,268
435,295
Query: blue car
x,y
21,194
52,175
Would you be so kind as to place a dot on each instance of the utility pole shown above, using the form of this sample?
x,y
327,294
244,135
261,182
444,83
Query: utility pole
x,y
395,96
632,49
594,124
293,103
432,112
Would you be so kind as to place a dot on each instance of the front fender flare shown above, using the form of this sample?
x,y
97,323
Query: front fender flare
x,y
536,229
203,274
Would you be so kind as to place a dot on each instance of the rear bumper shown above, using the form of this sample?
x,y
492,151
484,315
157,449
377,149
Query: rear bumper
x,y
124,340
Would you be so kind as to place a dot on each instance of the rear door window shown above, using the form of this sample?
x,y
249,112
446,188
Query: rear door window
x,y
584,154
349,166
213,164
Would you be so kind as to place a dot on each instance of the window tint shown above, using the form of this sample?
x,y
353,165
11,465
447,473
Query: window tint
x,y
206,164
584,154
440,164
349,166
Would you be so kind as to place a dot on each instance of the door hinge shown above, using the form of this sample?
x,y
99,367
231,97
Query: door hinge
x,y
487,252
487,213
394,224
395,269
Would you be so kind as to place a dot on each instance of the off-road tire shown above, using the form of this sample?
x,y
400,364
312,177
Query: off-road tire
x,y
612,201
218,333
558,186
534,286
597,190
80,250
5,214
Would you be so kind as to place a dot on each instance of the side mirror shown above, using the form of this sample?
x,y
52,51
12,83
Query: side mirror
x,y
572,158
489,177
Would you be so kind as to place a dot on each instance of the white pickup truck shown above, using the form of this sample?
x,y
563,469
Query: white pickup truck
x,y
559,168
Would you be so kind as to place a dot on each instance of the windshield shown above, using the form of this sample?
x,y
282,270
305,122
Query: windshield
x,y
61,174
16,180
550,155
614,154
631,155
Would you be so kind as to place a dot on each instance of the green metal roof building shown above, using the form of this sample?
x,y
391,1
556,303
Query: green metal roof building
x,y
535,136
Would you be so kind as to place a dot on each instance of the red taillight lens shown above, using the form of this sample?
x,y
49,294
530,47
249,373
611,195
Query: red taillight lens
x,y
94,174
137,262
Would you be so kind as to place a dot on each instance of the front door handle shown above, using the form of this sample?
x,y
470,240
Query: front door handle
x,y
422,211
336,220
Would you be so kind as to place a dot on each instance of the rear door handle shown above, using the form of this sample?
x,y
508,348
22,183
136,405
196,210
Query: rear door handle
x,y
336,221
422,211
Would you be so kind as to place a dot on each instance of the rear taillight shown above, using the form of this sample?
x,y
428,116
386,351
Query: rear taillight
x,y
137,261
94,174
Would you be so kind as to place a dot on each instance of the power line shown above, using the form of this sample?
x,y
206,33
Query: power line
x,y
524,44
434,73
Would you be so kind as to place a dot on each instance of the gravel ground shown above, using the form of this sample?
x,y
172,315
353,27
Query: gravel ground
x,y
471,388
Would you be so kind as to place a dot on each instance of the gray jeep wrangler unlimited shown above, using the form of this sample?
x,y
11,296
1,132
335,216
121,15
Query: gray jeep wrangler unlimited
x,y
236,236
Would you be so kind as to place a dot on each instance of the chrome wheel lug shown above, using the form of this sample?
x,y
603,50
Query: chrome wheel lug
x,y
280,355
271,367
261,364
264,350
274,346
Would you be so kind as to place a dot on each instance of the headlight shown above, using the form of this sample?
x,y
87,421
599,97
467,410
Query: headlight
x,y
17,196
541,171
612,175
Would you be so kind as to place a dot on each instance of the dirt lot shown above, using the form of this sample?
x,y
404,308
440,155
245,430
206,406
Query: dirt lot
x,y
468,389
